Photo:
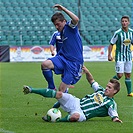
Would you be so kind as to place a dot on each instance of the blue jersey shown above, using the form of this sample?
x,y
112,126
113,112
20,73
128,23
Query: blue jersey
x,y
56,40
72,48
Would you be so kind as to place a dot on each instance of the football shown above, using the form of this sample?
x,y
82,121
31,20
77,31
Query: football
x,y
53,115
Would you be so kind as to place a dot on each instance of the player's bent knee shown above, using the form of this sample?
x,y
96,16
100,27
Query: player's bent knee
x,y
47,64
119,75
58,94
42,65
74,117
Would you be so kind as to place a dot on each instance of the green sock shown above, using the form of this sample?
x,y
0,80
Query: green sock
x,y
128,85
115,77
44,92
65,119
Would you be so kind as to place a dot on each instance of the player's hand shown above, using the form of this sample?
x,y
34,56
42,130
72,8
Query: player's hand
x,y
52,53
85,70
110,58
58,6
117,120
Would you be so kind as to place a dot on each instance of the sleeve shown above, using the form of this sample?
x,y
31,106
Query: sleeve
x,y
114,39
95,86
71,25
112,111
53,39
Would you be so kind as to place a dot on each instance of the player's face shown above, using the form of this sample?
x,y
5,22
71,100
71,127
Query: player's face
x,y
110,91
59,25
125,23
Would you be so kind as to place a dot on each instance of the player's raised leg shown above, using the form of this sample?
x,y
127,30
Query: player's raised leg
x,y
41,91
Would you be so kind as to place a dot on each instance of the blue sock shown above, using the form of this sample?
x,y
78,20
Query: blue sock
x,y
47,73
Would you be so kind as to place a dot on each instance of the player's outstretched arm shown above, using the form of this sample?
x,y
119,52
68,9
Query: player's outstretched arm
x,y
74,18
89,76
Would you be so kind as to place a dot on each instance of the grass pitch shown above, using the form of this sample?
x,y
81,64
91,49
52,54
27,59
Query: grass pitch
x,y
21,113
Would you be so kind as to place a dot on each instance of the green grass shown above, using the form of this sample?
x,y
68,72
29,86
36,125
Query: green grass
x,y
21,113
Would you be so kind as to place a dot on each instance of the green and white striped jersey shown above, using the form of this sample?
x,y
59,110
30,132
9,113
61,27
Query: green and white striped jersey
x,y
97,104
122,40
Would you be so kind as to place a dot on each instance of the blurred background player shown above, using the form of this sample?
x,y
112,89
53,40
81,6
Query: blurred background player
x,y
123,55
69,60
55,41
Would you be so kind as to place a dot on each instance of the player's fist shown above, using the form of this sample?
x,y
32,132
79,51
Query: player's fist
x,y
110,58
52,53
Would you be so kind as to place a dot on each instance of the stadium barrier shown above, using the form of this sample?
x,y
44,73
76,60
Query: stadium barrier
x,y
41,53
4,54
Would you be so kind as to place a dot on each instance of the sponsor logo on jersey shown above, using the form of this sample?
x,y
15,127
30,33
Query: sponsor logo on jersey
x,y
98,98
127,42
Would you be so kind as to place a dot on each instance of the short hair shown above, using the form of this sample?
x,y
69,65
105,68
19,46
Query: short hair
x,y
125,16
116,84
58,16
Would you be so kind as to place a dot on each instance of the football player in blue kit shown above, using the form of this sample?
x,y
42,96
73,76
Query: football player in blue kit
x,y
56,42
69,60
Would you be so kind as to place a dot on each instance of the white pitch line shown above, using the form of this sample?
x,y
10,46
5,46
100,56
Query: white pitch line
x,y
5,131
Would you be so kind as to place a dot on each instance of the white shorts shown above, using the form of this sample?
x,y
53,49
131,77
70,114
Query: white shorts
x,y
123,67
71,105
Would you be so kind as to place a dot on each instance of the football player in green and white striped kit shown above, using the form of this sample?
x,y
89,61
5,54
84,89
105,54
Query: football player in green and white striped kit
x,y
98,104
123,55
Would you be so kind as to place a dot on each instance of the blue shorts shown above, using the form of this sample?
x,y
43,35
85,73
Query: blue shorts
x,y
71,71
